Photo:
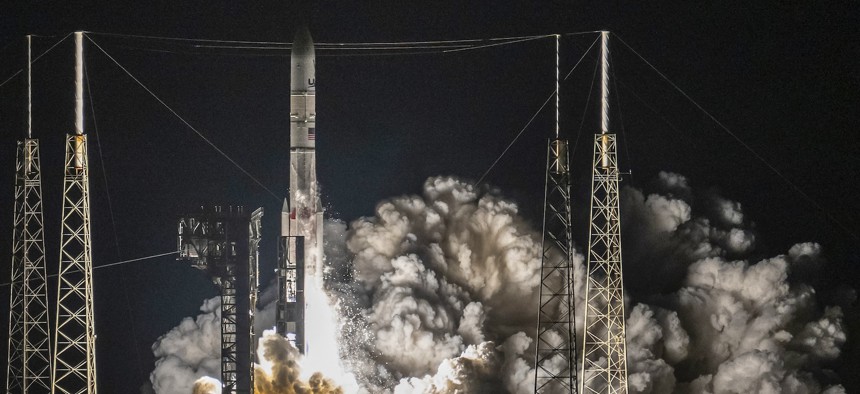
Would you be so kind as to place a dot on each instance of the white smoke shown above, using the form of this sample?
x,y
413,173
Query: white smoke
x,y
207,385
442,279
188,352
280,372
437,294
432,275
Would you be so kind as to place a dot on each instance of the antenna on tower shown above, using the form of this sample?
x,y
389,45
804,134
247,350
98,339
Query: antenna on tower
x,y
604,346
557,85
29,86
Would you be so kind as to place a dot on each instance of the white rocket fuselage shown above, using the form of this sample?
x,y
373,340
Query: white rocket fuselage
x,y
304,214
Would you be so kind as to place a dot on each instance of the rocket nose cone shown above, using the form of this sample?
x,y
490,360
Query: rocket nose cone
x,y
303,45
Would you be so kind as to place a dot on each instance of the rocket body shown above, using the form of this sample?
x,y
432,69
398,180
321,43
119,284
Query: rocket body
x,y
302,93
302,216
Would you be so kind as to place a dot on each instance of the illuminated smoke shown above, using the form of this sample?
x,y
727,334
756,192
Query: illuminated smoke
x,y
432,275
443,298
189,361
207,385
437,294
188,352
280,371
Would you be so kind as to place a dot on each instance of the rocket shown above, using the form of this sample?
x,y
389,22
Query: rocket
x,y
301,265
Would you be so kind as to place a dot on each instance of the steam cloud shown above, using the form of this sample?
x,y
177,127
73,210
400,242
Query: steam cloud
x,y
207,385
437,294
280,370
190,351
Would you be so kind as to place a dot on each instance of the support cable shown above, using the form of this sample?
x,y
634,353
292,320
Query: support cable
x,y
617,96
394,48
102,161
113,224
585,110
285,53
656,112
497,44
742,143
122,262
357,50
199,134
481,179
35,60
277,43
357,47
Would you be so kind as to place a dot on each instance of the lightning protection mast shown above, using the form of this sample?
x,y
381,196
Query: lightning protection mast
x,y
74,367
604,349
28,367
555,352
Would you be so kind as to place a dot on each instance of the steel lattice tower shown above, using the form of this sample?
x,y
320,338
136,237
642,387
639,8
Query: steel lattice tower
x,y
555,350
555,359
604,350
74,367
28,366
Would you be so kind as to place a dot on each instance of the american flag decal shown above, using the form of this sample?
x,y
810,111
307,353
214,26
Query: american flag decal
x,y
312,133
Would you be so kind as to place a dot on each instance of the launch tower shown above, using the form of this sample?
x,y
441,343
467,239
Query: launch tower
x,y
28,365
224,244
604,349
74,366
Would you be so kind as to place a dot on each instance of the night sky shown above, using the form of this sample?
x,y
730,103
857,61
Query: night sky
x,y
784,76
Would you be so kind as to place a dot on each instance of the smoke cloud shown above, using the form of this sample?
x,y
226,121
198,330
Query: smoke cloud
x,y
444,296
207,385
279,371
437,293
190,351
440,279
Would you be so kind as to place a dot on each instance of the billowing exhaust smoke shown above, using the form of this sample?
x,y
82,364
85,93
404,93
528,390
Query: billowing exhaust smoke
x,y
437,294
207,385
188,352
279,371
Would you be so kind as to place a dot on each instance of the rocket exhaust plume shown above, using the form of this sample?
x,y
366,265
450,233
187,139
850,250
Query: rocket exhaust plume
x,y
444,297
279,371
442,300
188,352
207,385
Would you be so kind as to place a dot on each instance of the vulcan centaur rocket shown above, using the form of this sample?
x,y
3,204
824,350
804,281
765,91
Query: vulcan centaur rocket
x,y
301,258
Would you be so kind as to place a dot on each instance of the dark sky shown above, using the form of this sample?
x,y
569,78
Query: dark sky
x,y
782,75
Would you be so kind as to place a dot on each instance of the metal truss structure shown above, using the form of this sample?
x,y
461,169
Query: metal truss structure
x,y
28,365
555,353
604,350
219,242
229,331
74,367
255,234
289,317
